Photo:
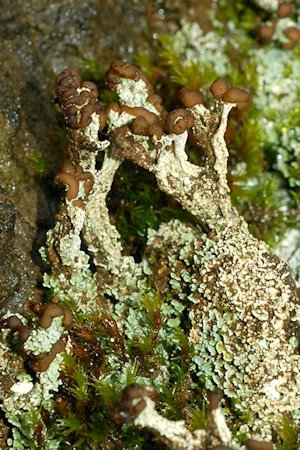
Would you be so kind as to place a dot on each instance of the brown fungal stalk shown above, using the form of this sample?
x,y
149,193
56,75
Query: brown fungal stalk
x,y
15,324
179,121
52,310
71,176
42,362
78,99
281,27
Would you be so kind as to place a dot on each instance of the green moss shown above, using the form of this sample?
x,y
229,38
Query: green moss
x,y
242,14
145,60
93,70
197,417
190,74
40,163
288,435
138,205
156,352
265,205
80,385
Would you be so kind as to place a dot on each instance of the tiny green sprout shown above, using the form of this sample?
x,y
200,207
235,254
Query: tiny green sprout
x,y
197,417
93,69
132,373
144,60
191,75
80,385
141,344
70,424
288,435
40,163
69,362
179,337
152,302
108,393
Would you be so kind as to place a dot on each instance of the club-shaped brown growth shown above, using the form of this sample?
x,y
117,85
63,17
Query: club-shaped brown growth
x,y
42,362
190,98
71,176
252,444
122,69
179,121
15,324
214,399
52,310
293,34
219,87
265,32
151,117
285,9
132,401
238,96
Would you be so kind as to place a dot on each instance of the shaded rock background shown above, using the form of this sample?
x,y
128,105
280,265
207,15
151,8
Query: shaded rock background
x,y
39,38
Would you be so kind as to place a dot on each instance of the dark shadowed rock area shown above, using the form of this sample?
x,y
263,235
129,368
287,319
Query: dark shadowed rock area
x,y
39,38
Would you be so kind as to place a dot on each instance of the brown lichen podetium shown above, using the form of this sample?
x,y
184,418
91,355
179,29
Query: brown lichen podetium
x,y
241,297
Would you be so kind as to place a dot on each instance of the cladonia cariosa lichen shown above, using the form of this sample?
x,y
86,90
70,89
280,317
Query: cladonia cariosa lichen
x,y
240,297
234,298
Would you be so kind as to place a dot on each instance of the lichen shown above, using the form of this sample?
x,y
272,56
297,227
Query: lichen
x,y
24,397
218,301
265,137
167,314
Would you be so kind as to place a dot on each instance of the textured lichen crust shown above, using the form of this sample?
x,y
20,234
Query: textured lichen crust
x,y
243,312
24,394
